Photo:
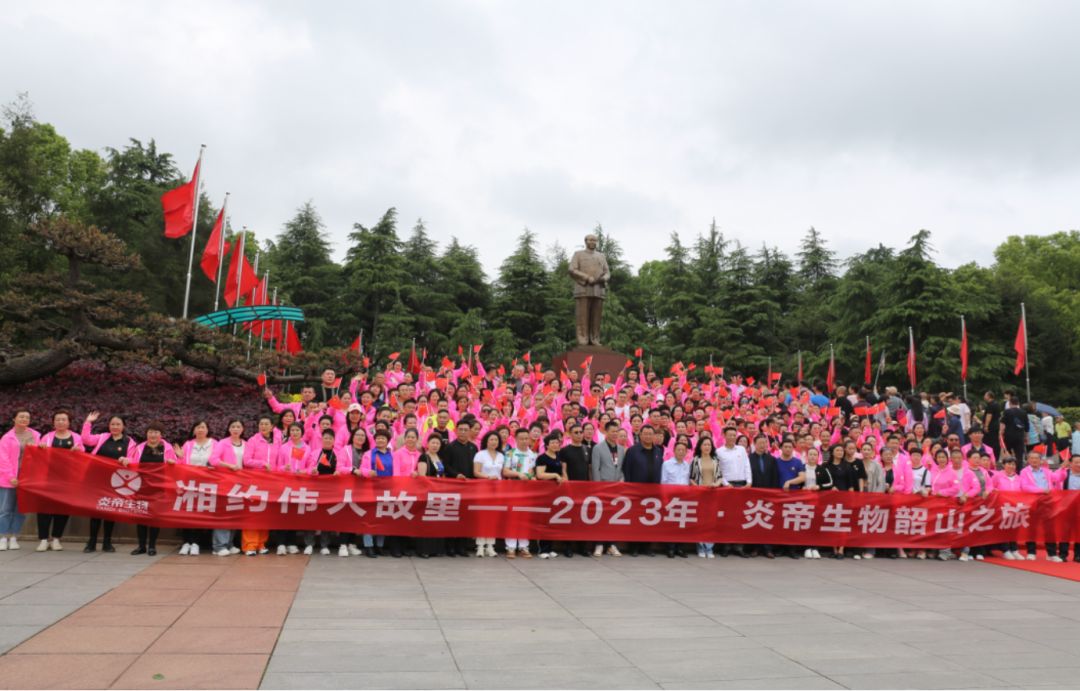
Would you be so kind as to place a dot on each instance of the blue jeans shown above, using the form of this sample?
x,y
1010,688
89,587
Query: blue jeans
x,y
371,540
11,521
706,547
222,539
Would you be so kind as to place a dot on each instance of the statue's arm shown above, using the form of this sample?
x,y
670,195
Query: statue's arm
x,y
606,276
576,273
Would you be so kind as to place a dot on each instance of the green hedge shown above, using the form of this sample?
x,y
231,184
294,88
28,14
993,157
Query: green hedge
x,y
1072,414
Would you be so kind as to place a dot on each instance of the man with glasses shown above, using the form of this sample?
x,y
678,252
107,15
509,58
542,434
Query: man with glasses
x,y
573,458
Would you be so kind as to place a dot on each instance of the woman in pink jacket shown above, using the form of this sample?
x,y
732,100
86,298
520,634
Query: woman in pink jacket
x,y
260,453
116,445
12,446
954,480
229,454
196,451
1038,479
51,526
153,450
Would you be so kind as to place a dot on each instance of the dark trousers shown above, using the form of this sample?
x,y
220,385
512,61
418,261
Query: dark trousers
x,y
1051,548
1016,446
51,525
95,526
192,535
143,531
1063,550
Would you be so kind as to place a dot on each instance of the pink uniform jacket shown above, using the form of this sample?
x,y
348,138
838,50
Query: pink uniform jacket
x,y
1028,484
9,455
287,462
1006,483
224,454
950,483
93,442
47,440
406,460
185,451
170,453
260,454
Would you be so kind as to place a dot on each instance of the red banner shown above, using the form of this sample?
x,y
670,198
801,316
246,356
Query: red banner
x,y
70,482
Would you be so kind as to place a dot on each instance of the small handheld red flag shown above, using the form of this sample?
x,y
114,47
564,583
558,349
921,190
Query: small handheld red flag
x,y
637,352
261,379
394,356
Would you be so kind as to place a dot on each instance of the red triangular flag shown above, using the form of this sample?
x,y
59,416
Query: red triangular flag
x,y
211,260
1020,346
178,205
476,348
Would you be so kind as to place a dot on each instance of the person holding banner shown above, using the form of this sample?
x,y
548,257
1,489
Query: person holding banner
x,y
430,465
228,453
61,437
153,450
117,445
12,446
195,452
488,464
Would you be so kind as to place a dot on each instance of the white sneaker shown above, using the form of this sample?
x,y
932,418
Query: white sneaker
x,y
13,543
325,551
857,556
263,550
808,553
185,549
354,551
964,557
613,551
1055,559
3,544
489,551
817,554
55,545
293,549
281,550
194,549
1030,557
43,546
234,550
480,553
250,553
223,552
868,556
598,552
309,550
701,554
978,557
553,555
1008,555
545,555
710,555
343,551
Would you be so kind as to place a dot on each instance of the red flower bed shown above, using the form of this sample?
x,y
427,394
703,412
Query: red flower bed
x,y
140,394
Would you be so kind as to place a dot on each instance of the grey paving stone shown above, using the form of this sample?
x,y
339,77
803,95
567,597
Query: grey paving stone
x,y
920,680
292,635
813,682
11,634
328,659
30,615
41,594
362,680
560,678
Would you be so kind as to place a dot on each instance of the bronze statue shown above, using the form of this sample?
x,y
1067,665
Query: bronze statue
x,y
589,269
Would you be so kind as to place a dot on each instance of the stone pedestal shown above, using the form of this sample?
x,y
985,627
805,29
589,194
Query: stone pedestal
x,y
604,360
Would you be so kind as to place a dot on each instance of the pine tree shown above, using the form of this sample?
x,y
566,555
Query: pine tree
x,y
374,276
522,278
306,277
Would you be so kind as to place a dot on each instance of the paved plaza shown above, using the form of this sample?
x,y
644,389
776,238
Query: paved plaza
x,y
116,621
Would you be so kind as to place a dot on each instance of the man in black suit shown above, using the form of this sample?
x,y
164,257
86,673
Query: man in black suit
x,y
643,463
458,460
764,474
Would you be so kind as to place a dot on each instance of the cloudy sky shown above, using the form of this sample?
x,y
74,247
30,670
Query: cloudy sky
x,y
868,120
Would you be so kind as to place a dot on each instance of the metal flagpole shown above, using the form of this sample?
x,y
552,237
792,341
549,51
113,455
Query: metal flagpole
x,y
266,289
251,299
798,373
880,369
273,324
963,334
1027,355
221,250
194,225
239,270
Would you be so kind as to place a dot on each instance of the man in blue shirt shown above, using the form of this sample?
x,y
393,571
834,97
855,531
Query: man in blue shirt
x,y
791,473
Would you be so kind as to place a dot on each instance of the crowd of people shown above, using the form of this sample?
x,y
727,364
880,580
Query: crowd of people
x,y
526,424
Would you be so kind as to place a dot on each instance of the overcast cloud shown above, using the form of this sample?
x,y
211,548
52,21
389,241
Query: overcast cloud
x,y
867,120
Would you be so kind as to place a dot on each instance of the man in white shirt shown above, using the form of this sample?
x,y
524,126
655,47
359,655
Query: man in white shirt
x,y
734,471
734,463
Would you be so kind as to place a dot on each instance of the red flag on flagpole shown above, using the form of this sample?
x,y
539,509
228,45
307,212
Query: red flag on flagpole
x,y
1020,346
911,359
248,279
414,362
179,207
963,350
868,373
292,341
830,377
211,260
800,367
